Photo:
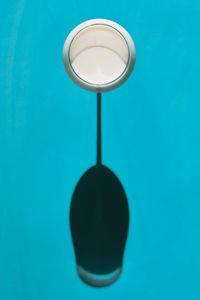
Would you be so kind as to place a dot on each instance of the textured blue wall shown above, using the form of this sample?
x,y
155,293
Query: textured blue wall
x,y
151,140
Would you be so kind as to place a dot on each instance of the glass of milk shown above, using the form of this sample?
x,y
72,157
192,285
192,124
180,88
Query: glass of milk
x,y
99,55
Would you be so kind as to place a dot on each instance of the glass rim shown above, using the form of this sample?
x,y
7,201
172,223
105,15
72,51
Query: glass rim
x,y
99,88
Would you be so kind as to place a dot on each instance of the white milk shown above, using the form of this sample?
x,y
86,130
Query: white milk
x,y
98,65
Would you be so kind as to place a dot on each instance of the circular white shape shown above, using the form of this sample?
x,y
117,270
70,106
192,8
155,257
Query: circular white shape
x,y
99,55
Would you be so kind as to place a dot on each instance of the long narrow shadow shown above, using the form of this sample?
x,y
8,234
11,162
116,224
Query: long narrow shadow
x,y
99,221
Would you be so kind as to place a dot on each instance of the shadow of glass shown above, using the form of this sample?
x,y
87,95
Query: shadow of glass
x,y
99,220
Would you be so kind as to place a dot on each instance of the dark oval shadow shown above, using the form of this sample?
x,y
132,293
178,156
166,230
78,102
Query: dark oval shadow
x,y
99,220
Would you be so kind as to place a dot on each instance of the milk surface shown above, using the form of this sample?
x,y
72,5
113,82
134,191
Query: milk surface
x,y
98,65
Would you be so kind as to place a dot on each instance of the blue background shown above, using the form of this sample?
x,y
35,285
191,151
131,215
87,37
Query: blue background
x,y
151,140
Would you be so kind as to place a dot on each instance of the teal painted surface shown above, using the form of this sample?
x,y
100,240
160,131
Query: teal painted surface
x,y
151,140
